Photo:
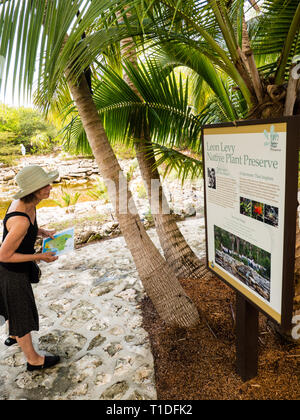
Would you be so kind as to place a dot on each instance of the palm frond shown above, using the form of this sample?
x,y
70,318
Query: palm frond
x,y
179,55
163,104
186,167
39,40
278,34
36,31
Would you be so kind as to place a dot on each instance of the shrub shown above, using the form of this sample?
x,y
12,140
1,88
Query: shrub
x,y
25,126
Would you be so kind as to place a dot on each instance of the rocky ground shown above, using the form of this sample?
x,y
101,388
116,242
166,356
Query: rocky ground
x,y
244,273
89,303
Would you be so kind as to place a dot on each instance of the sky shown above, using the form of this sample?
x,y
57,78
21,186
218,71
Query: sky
x,y
16,101
7,97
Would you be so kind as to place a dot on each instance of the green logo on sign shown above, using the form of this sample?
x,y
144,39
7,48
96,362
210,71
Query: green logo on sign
x,y
272,138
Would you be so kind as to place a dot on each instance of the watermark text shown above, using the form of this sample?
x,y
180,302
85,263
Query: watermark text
x,y
296,69
296,329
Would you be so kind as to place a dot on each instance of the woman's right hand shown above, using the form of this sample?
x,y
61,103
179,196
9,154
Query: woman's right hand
x,y
48,257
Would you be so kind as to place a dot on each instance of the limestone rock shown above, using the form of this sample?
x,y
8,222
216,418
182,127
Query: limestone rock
x,y
82,313
62,343
116,391
84,368
32,380
102,289
9,175
129,295
123,365
15,360
142,374
96,342
103,378
113,348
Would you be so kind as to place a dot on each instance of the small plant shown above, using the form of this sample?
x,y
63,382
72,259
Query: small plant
x,y
124,152
149,217
99,192
67,198
129,174
132,168
42,143
9,160
258,211
141,191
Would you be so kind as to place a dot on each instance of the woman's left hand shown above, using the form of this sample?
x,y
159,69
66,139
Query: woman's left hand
x,y
47,233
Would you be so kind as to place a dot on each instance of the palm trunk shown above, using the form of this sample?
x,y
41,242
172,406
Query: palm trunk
x,y
159,281
177,252
291,96
292,90
255,5
251,65
238,58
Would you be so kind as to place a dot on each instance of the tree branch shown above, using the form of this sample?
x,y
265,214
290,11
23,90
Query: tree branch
x,y
292,90
254,4
252,68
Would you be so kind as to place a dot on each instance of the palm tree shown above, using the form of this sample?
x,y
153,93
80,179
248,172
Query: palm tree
x,y
215,30
50,33
257,56
177,252
149,104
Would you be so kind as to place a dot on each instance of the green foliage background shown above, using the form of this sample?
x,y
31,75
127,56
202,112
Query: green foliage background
x,y
24,126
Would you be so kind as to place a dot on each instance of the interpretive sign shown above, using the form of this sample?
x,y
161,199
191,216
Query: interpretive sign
x,y
251,182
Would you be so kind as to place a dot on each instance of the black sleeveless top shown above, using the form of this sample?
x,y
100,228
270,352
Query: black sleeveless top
x,y
26,246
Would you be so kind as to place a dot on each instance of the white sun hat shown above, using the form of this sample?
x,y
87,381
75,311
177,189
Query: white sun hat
x,y
32,178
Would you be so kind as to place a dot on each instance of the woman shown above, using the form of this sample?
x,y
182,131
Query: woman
x,y
20,230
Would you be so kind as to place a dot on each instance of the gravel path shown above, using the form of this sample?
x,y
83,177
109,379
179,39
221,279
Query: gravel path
x,y
89,306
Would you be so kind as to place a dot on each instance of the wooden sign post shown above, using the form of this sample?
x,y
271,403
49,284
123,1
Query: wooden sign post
x,y
251,186
246,338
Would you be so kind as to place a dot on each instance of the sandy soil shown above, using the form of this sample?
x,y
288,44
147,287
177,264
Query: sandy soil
x,y
199,364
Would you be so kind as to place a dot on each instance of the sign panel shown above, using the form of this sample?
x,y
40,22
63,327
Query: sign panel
x,y
246,219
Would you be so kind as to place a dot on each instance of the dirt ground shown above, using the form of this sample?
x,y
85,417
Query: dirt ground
x,y
199,363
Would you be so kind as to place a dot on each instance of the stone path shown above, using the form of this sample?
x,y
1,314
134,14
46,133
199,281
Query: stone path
x,y
89,306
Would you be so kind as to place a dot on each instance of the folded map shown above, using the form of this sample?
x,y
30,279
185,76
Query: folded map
x,y
62,243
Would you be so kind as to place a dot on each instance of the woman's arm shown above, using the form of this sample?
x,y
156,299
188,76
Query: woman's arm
x,y
13,240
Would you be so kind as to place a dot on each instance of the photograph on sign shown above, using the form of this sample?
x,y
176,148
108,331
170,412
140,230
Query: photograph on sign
x,y
247,262
245,179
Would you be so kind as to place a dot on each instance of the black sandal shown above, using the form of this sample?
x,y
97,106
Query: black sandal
x,y
49,362
10,341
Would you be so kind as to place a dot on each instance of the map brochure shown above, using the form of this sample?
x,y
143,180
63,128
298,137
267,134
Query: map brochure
x,y
62,243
